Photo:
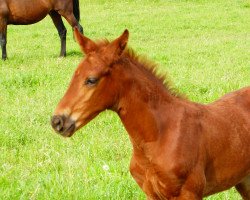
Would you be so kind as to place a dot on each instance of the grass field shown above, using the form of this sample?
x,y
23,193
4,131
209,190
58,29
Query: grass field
x,y
203,45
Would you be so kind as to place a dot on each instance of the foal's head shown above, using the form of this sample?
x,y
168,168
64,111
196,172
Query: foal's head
x,y
94,86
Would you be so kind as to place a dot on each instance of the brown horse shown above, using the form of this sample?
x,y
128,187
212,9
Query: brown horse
x,y
23,12
181,149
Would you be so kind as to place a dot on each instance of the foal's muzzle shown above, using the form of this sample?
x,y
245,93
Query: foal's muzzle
x,y
63,125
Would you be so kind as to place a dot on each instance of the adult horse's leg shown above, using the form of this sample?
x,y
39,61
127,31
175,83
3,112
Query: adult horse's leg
x,y
62,31
69,16
4,11
244,188
3,36
76,12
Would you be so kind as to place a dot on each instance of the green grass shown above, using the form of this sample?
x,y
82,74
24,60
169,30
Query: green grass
x,y
203,45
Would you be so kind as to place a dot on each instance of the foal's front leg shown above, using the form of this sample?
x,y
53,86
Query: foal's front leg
x,y
137,172
185,195
193,187
244,188
3,37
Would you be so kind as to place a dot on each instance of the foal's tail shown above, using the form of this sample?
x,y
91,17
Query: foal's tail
x,y
76,9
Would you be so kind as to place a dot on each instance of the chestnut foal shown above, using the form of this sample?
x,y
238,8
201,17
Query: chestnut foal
x,y
181,149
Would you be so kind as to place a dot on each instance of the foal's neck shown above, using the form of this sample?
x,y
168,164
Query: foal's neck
x,y
146,105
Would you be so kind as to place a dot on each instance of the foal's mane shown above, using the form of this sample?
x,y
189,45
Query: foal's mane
x,y
148,66
153,70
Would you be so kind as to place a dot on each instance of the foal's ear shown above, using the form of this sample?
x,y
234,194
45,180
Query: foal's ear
x,y
119,44
86,44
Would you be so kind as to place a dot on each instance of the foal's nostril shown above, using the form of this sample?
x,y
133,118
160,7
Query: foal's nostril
x,y
57,123
63,125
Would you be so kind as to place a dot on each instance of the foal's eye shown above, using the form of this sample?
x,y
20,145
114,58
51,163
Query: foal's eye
x,y
91,81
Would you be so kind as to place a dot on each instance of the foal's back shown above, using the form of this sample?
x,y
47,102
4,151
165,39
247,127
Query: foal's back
x,y
226,129
234,105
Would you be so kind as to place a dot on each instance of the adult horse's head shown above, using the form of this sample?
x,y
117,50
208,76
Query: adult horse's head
x,y
92,88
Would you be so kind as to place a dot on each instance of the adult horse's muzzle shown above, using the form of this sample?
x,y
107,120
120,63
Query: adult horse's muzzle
x,y
63,125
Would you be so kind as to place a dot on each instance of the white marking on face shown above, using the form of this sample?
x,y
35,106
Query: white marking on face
x,y
65,112
88,95
78,124
75,116
81,104
82,117
79,113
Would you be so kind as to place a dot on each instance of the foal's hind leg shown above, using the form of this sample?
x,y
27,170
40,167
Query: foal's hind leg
x,y
244,188
62,31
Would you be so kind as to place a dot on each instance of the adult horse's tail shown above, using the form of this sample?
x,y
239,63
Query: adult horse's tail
x,y
76,9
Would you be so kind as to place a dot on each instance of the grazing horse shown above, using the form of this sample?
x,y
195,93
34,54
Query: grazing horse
x,y
181,149
23,12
